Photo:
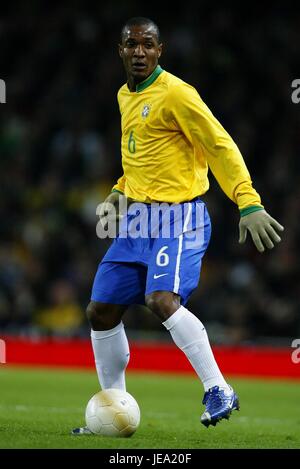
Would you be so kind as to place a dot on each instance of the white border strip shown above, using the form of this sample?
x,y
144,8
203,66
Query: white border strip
x,y
180,239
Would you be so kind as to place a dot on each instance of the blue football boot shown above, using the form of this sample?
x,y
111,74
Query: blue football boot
x,y
81,431
219,405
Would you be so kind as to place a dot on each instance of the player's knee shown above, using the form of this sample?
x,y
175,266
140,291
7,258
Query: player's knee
x,y
102,316
163,304
92,312
96,315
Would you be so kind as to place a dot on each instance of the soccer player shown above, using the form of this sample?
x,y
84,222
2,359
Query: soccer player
x,y
169,139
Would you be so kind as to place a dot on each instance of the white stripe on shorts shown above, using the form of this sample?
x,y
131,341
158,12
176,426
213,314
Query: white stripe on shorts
x,y
180,239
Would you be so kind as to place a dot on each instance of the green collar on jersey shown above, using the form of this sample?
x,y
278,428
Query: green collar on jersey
x,y
144,84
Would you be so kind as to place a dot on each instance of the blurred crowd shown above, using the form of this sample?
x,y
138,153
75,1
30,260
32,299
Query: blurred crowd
x,y
60,156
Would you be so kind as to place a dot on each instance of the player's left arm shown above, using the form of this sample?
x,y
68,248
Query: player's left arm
x,y
206,134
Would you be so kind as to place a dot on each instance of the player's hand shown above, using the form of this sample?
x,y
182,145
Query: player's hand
x,y
109,210
263,229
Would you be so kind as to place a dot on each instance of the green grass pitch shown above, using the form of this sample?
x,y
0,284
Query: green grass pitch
x,y
39,407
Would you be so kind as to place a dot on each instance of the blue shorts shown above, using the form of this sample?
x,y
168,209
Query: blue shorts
x,y
158,250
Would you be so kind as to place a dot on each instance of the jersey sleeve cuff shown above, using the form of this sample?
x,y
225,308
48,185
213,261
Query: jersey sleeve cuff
x,y
251,209
117,190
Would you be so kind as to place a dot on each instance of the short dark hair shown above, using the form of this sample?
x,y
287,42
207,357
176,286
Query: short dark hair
x,y
140,21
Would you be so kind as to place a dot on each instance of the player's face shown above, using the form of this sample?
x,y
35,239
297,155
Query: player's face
x,y
140,51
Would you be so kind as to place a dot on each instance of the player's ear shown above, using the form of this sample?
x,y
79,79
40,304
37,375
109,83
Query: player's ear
x,y
120,51
160,47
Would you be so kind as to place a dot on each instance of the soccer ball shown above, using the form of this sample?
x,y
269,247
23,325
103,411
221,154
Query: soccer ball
x,y
112,412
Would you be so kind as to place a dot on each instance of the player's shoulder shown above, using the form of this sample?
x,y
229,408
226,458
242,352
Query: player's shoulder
x,y
177,86
121,96
122,90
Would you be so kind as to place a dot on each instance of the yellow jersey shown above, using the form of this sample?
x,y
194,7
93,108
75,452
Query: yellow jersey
x,y
169,140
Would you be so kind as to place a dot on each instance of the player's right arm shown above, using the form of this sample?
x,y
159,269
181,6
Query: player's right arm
x,y
110,208
120,185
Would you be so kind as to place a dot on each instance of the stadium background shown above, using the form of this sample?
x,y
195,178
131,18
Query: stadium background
x,y
60,155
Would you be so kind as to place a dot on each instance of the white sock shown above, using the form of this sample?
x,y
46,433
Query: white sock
x,y
111,351
190,336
